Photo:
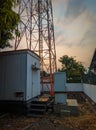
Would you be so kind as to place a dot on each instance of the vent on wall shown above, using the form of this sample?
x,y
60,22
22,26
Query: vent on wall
x,y
19,94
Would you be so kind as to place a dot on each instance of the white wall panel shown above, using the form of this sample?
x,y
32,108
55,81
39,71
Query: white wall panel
x,y
90,90
74,87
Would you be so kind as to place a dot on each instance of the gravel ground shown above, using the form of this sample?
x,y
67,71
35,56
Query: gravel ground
x,y
85,121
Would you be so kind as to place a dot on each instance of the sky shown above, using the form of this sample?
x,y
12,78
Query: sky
x,y
75,29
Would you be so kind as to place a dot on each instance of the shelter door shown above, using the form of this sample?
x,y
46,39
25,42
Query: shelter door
x,y
35,83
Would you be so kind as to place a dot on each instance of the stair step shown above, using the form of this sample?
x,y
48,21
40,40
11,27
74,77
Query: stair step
x,y
39,105
37,110
38,102
34,115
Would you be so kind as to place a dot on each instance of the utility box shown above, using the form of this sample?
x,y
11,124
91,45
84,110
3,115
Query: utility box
x,y
60,98
60,87
19,77
59,82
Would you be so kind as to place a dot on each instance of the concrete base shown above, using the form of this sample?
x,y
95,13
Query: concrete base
x,y
69,109
13,107
72,106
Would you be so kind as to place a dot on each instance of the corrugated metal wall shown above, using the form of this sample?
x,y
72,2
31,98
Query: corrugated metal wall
x,y
17,80
12,76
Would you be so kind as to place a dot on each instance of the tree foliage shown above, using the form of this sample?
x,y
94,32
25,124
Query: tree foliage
x,y
8,21
74,69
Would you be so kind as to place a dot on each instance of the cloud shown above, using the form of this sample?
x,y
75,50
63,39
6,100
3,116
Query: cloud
x,y
75,8
88,37
75,28
78,32
58,2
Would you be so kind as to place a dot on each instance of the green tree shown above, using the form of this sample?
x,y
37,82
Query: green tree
x,y
74,69
8,21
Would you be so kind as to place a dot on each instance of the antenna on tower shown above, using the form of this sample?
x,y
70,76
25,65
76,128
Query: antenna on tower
x,y
37,34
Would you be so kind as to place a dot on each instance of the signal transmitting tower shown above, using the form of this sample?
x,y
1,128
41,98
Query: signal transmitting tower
x,y
37,34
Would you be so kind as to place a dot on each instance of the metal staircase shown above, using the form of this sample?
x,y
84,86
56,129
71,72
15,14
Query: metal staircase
x,y
40,106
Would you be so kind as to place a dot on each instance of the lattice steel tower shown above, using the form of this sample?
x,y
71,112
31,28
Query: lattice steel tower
x,y
37,33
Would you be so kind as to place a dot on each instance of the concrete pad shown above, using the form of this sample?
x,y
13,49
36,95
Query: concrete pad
x,y
69,109
72,102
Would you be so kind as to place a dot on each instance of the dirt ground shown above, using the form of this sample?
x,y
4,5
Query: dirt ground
x,y
85,121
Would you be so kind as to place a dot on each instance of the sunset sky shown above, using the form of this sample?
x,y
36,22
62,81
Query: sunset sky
x,y
75,29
